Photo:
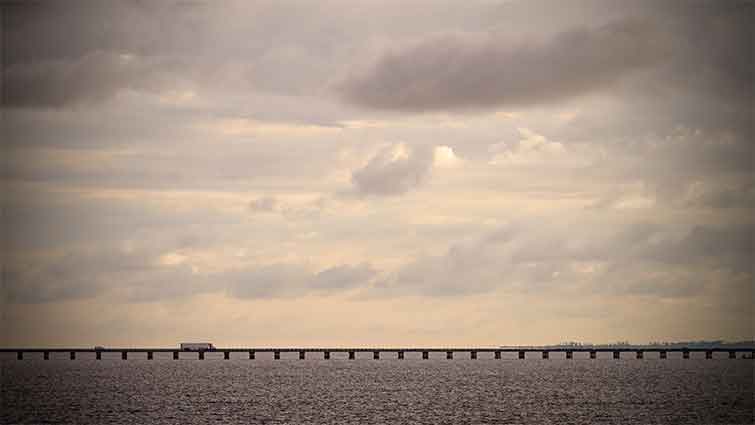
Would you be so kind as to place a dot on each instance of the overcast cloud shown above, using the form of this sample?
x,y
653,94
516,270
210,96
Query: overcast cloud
x,y
297,166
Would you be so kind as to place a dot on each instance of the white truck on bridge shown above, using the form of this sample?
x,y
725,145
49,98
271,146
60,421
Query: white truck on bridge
x,y
196,346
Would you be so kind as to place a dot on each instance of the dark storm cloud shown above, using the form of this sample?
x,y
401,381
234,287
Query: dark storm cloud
x,y
463,71
698,47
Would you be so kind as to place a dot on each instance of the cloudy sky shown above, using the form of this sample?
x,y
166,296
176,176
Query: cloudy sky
x,y
376,173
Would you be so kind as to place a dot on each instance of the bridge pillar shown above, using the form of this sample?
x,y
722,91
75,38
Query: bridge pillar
x,y
521,355
124,355
425,355
593,355
569,355
546,354
46,355
617,355
449,355
640,355
201,355
732,354
149,355
401,355
326,355
252,355
302,355
19,355
664,354
226,355
276,355
685,354
473,355
352,356
376,355
497,355
175,355
72,355
708,354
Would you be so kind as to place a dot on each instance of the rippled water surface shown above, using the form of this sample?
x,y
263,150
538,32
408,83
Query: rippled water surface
x,y
412,391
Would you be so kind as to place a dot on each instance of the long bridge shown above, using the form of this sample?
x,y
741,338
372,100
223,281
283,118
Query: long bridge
x,y
399,352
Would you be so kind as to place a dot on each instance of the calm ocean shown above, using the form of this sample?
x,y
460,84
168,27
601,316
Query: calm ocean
x,y
386,391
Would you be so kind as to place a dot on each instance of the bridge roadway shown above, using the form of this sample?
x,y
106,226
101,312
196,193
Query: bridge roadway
x,y
326,352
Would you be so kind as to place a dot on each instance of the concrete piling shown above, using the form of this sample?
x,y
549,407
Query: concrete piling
x,y
46,355
226,355
201,355
664,355
569,355
425,355
521,355
352,355
72,355
252,355
401,355
149,355
19,355
497,355
617,355
276,355
640,355
473,355
302,355
732,354
326,355
709,355
546,354
685,354
376,355
593,355
175,355
449,355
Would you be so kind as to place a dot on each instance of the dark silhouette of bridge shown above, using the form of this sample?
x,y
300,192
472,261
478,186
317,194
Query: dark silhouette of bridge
x,y
545,353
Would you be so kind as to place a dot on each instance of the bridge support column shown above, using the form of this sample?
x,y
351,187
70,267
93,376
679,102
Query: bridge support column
x,y
569,355
376,355
546,354
497,355
732,354
19,355
593,355
425,355
326,355
149,355
226,355
401,355
46,355
72,355
276,355
449,355
685,354
664,354
124,355
617,355
252,355
640,355
201,355
708,355
175,355
473,355
98,355
521,355
352,355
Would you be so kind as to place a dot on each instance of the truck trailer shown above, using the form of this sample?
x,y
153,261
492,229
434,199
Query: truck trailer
x,y
196,346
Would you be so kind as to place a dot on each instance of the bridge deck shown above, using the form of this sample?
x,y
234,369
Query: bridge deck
x,y
383,349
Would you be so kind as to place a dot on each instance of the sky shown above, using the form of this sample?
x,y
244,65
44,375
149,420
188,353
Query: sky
x,y
378,173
